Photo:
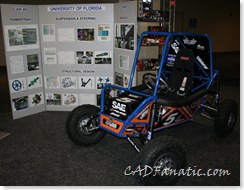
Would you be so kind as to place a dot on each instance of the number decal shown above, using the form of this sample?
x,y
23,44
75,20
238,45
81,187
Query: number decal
x,y
170,119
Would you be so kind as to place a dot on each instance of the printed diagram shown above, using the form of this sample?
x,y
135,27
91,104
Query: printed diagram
x,y
84,57
103,57
52,82
69,82
66,57
36,99
70,99
20,103
53,99
86,82
85,34
102,81
104,32
34,81
32,62
18,85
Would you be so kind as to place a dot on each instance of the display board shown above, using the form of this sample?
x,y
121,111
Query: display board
x,y
60,56
77,46
23,59
125,38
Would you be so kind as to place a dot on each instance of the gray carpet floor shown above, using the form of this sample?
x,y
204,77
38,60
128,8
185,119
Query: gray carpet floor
x,y
38,152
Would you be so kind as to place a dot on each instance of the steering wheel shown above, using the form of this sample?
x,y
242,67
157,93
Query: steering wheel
x,y
149,79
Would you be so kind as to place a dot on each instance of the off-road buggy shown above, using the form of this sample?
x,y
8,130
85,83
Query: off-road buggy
x,y
185,84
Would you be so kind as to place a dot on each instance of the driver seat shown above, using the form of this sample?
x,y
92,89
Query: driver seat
x,y
180,81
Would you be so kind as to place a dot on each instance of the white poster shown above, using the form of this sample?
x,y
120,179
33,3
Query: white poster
x,y
124,62
87,99
66,34
86,82
17,64
69,82
21,37
48,32
52,82
70,100
50,56
66,57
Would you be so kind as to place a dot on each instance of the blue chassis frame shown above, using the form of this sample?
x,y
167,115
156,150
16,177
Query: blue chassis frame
x,y
209,78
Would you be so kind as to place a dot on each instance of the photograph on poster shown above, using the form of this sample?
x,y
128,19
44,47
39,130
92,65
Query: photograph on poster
x,y
34,81
36,99
102,81
126,80
66,34
104,32
103,57
86,82
53,99
87,99
119,79
33,62
21,37
69,82
48,32
66,57
52,82
20,103
18,85
70,99
85,34
124,62
50,56
124,36
84,57
16,64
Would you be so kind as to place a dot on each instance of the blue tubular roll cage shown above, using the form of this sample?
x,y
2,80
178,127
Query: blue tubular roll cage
x,y
208,78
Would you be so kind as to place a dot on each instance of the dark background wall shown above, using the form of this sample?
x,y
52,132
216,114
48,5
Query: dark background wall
x,y
219,18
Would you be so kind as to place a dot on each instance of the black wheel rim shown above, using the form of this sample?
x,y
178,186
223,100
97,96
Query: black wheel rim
x,y
84,124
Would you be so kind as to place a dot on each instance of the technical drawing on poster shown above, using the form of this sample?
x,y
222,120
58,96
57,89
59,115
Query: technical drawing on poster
x,y
66,57
70,99
21,37
52,82
69,82
85,34
20,103
48,33
33,62
124,36
86,82
103,57
84,57
66,34
104,32
18,85
102,81
34,81
124,62
36,99
17,64
50,55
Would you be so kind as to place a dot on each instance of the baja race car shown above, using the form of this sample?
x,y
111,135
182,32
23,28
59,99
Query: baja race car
x,y
185,84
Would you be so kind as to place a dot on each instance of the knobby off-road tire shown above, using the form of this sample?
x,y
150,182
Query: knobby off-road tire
x,y
166,153
226,118
77,128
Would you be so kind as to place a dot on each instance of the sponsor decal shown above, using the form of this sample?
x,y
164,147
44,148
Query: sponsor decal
x,y
201,62
175,46
189,42
200,47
